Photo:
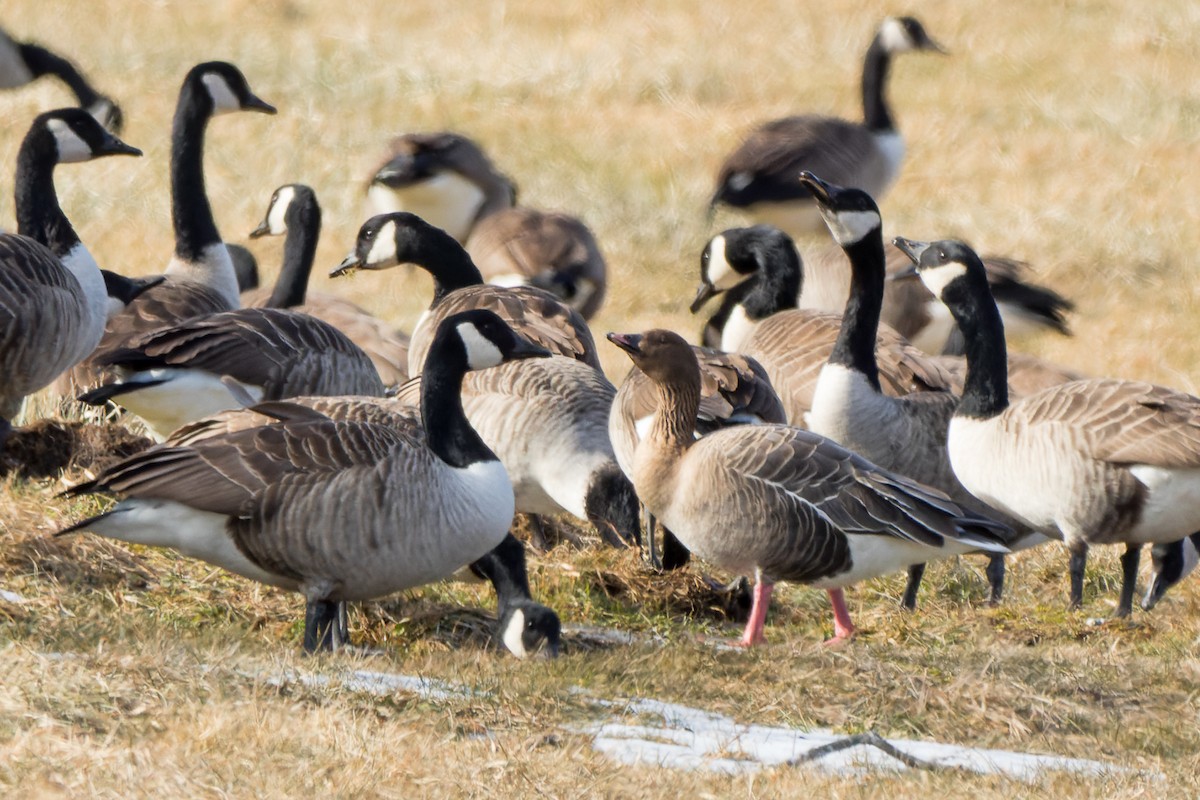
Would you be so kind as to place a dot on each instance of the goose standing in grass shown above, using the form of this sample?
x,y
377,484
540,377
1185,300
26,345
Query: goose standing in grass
x,y
336,510
547,421
23,62
294,211
903,434
734,390
54,298
782,503
200,278
1100,461
446,179
387,240
760,176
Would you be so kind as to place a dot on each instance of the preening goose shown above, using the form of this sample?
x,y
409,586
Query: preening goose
x,y
23,62
54,299
732,258
904,434
734,390
390,239
200,275
1099,461
294,211
547,421
760,176
336,510
446,179
782,503
176,375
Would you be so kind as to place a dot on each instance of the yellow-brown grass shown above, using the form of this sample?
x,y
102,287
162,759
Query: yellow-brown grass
x,y
1063,134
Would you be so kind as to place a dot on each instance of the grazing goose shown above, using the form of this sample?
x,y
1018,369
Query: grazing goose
x,y
782,503
1173,561
294,211
390,239
54,299
734,390
447,180
547,421
336,510
760,176
200,276
733,257
176,375
903,434
24,62
1100,461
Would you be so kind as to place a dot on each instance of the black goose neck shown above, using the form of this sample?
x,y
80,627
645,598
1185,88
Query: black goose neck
x,y
450,435
39,215
41,61
447,261
191,213
855,345
299,253
774,288
504,567
985,391
876,114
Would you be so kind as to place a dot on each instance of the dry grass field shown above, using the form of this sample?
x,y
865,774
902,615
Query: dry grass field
x,y
1065,134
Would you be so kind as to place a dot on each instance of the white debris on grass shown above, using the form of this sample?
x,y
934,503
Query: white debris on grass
x,y
11,597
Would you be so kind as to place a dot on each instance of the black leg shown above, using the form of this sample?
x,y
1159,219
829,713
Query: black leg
x,y
1129,569
652,540
909,600
674,554
321,619
995,575
1078,561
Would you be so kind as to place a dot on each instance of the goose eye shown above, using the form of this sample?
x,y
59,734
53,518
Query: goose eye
x,y
942,254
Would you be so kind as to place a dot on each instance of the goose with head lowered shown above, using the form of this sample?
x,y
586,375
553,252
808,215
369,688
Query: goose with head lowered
x,y
54,298
760,176
387,240
1099,461
24,62
904,434
783,503
336,510
294,212
200,278
449,181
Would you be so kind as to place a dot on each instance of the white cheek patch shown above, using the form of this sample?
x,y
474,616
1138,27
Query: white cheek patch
x,y
481,352
718,270
276,222
894,37
938,278
71,148
383,251
850,227
512,634
223,97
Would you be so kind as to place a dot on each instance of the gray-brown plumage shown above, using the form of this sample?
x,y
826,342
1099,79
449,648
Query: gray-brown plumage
x,y
446,179
780,502
761,177
390,239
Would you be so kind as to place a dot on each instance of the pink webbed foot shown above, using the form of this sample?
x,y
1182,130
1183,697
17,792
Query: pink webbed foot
x,y
843,628
753,635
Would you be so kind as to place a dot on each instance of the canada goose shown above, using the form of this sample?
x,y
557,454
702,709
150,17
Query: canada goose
x,y
1097,461
24,62
386,240
760,176
337,510
1173,561
172,376
446,179
732,259
1026,374
547,421
904,434
200,276
245,267
524,626
54,299
734,390
294,211
782,503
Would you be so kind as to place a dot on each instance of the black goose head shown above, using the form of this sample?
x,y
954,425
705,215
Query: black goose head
x,y
418,157
486,340
850,213
527,628
735,256
612,506
106,111
75,135
948,268
245,265
288,203
904,34
1172,562
386,240
223,89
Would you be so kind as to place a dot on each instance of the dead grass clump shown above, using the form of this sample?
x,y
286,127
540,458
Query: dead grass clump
x,y
49,447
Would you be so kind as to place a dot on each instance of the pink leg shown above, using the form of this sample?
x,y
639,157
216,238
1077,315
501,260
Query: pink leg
x,y
843,628
758,613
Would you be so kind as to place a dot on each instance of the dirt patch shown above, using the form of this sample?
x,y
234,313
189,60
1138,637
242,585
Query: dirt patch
x,y
48,447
